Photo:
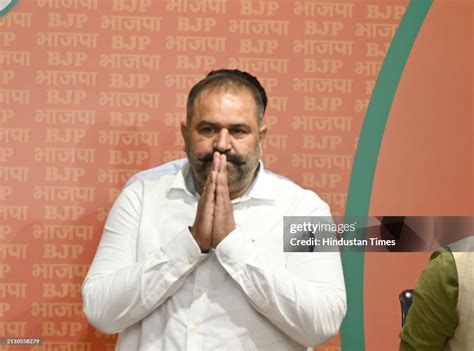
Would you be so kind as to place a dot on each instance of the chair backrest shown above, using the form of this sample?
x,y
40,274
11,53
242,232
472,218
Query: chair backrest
x,y
406,298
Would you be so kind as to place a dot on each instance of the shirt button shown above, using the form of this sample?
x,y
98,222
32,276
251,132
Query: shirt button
x,y
199,292
224,259
194,328
191,260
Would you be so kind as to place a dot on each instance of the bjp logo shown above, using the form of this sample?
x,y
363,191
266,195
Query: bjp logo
x,y
6,5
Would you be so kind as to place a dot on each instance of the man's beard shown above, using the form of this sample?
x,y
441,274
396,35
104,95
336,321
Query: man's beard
x,y
239,170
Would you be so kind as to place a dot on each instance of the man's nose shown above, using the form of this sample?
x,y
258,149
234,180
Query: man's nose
x,y
222,141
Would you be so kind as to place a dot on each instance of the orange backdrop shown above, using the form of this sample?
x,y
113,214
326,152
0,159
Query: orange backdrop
x,y
94,91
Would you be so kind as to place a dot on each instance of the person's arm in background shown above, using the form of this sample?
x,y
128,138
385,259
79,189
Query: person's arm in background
x,y
432,318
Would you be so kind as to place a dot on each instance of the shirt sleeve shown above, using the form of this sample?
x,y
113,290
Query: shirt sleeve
x,y
120,290
432,318
306,299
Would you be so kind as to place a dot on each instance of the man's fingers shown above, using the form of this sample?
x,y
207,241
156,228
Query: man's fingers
x,y
223,164
208,192
215,161
223,171
222,190
214,177
219,193
214,167
223,211
209,200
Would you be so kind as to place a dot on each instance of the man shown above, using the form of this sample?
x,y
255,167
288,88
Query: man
x,y
442,314
192,258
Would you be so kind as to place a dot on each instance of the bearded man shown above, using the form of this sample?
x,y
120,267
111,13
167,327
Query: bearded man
x,y
192,256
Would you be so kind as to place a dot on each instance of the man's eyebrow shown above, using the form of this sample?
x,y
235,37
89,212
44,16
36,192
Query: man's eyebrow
x,y
232,125
240,125
206,123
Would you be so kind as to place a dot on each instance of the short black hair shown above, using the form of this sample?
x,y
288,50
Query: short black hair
x,y
225,77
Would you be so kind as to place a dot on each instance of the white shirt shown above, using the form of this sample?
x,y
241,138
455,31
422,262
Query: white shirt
x,y
150,282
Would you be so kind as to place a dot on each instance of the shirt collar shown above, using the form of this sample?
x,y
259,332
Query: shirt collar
x,y
183,180
261,188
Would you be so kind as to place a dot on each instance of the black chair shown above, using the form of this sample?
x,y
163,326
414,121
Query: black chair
x,y
406,299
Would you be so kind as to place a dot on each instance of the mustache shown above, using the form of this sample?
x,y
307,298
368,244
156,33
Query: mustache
x,y
236,160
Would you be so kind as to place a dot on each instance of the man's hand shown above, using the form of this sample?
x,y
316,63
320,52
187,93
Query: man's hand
x,y
203,223
215,216
223,211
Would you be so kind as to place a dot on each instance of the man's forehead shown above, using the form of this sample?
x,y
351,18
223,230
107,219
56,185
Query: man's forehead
x,y
213,100
223,89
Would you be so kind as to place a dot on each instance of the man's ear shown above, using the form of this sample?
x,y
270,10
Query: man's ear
x,y
262,133
184,132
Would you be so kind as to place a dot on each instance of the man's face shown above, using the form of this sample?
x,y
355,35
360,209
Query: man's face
x,y
224,120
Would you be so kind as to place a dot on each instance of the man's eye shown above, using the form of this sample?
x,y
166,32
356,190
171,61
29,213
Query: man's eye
x,y
206,130
238,131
